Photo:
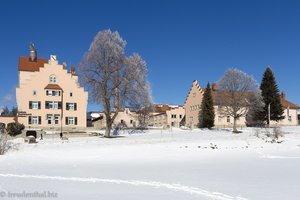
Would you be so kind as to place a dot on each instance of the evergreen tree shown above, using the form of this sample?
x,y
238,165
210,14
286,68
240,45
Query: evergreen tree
x,y
271,96
207,109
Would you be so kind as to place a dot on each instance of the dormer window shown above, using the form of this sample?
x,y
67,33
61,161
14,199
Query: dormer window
x,y
52,79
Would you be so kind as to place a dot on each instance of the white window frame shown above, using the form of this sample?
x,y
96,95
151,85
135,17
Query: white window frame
x,y
53,104
35,105
49,117
34,120
71,120
56,119
49,92
56,93
71,106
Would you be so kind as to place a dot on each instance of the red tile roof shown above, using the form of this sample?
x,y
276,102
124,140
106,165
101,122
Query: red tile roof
x,y
53,87
26,65
285,103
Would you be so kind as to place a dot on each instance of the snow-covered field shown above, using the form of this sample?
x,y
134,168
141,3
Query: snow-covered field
x,y
181,164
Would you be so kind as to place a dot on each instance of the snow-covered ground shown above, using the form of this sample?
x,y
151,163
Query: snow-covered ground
x,y
181,164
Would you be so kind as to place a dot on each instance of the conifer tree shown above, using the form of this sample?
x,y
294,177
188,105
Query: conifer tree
x,y
271,96
207,109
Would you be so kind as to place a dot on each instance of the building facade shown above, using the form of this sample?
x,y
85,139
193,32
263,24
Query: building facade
x,y
193,102
125,118
48,96
167,116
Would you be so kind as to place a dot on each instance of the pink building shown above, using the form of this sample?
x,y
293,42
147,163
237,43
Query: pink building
x,y
193,102
48,96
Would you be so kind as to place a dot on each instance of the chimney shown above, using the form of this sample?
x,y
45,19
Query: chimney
x,y
33,53
64,64
283,95
214,86
72,70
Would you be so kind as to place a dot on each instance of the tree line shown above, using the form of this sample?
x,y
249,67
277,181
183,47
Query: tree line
x,y
9,113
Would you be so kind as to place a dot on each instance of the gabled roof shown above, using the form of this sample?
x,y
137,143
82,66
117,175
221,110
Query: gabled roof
x,y
53,87
195,82
285,103
26,65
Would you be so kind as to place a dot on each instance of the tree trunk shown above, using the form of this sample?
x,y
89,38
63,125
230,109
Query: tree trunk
x,y
108,128
234,125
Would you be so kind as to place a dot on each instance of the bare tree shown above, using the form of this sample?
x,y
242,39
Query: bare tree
x,y
3,139
113,79
235,90
143,116
256,106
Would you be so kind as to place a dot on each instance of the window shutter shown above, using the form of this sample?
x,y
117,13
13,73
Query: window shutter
x,y
67,121
40,120
30,104
59,105
29,119
39,105
67,106
75,120
75,106
47,92
47,104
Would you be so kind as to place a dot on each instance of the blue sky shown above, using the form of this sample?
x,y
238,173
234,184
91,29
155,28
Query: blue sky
x,y
180,40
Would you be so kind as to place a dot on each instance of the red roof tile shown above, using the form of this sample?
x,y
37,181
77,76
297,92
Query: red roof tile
x,y
53,87
26,65
285,103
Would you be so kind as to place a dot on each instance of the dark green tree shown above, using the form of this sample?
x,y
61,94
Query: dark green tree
x,y
271,96
207,109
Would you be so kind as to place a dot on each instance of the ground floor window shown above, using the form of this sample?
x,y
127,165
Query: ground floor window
x,y
56,119
219,119
71,120
228,119
49,119
34,120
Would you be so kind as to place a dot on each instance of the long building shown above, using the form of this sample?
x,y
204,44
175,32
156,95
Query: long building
x,y
48,96
193,101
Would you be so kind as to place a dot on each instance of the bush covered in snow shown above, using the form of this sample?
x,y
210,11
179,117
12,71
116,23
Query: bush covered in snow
x,y
14,128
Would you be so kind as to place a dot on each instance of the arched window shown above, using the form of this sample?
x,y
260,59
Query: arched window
x,y
52,79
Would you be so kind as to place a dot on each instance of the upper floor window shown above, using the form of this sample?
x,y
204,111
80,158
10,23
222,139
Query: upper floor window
x,y
52,92
34,92
34,105
71,106
53,105
71,120
52,79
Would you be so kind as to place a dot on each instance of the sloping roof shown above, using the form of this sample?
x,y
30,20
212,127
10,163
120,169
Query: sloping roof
x,y
26,65
285,103
53,87
97,119
161,108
